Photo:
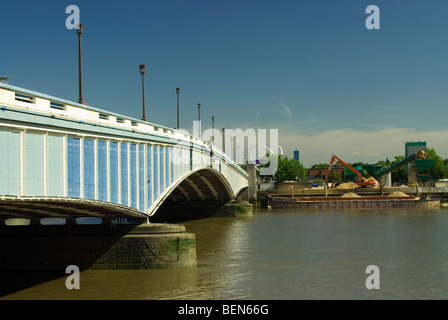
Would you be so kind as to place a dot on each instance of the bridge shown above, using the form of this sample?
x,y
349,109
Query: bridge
x,y
69,163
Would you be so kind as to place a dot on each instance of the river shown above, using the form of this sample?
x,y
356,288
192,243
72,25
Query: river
x,y
289,255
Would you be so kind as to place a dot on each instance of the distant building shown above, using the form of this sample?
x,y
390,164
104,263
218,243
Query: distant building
x,y
417,170
313,174
296,155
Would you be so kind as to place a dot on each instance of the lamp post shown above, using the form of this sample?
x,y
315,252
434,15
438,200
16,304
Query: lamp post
x,y
199,119
79,32
213,130
223,140
177,91
142,72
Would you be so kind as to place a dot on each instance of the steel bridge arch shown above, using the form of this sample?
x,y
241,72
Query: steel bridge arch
x,y
201,188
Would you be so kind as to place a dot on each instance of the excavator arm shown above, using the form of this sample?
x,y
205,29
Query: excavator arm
x,y
334,157
361,181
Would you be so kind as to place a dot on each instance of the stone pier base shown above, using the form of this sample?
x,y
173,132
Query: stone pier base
x,y
121,247
236,208
151,246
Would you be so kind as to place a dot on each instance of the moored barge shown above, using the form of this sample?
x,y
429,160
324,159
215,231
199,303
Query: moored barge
x,y
353,202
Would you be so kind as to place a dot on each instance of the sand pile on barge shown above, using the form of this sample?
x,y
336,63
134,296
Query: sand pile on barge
x,y
398,194
347,185
350,195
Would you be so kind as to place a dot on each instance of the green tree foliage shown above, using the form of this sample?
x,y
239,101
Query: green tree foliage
x,y
334,177
320,166
289,169
440,168
400,173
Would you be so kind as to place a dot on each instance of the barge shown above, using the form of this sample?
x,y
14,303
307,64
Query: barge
x,y
354,202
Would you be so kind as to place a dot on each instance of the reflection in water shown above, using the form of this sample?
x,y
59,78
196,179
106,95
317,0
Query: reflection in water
x,y
117,284
289,255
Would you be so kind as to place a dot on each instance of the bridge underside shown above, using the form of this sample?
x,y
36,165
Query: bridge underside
x,y
200,195
37,211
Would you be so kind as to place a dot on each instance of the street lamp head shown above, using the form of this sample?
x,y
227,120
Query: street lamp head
x,y
79,29
142,69
177,90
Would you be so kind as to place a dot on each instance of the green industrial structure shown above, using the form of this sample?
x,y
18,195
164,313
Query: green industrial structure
x,y
418,166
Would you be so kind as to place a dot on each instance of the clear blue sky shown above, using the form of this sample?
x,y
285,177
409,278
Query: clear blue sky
x,y
308,68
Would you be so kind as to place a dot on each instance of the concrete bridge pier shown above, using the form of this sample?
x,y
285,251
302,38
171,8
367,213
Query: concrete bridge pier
x,y
121,247
252,182
151,246
236,208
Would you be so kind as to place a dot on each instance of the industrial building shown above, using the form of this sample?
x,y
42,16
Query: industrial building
x,y
418,168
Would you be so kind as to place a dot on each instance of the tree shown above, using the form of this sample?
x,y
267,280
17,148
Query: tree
x,y
320,166
400,173
440,168
334,177
289,169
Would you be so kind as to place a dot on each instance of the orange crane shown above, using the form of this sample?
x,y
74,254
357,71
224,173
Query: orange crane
x,y
362,182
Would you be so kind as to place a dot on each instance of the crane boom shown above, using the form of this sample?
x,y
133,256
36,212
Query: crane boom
x,y
361,181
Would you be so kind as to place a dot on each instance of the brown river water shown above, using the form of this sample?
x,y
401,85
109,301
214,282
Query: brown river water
x,y
288,255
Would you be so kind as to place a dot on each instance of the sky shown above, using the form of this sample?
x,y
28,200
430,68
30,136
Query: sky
x,y
309,68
